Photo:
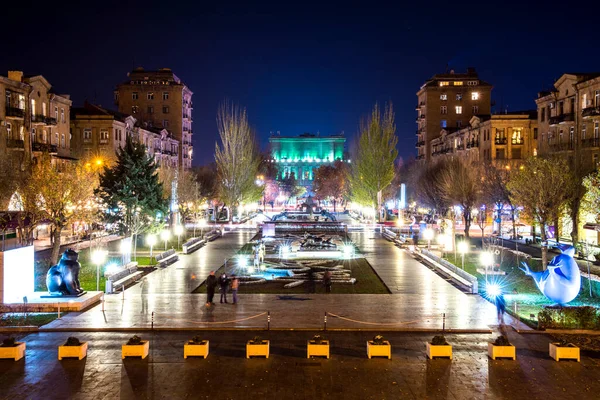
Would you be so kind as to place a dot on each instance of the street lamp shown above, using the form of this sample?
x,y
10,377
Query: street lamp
x,y
151,240
463,247
98,257
428,235
487,259
260,181
178,232
165,235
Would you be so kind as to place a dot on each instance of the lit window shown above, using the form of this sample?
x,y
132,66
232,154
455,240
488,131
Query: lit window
x,y
87,135
444,110
8,129
44,109
584,101
443,123
474,95
443,96
444,83
472,83
458,109
62,115
63,142
458,83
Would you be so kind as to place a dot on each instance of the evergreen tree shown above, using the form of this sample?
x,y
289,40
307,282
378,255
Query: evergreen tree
x,y
130,190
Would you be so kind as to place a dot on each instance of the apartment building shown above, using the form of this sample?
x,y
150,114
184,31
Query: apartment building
x,y
447,102
33,119
569,119
159,99
502,140
97,134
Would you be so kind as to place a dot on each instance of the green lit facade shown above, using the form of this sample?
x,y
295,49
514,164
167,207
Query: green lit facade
x,y
302,155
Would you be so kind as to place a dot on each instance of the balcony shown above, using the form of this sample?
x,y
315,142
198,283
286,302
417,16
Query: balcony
x,y
562,147
517,142
15,144
472,144
44,147
561,119
50,121
420,143
588,143
500,140
590,112
38,118
15,112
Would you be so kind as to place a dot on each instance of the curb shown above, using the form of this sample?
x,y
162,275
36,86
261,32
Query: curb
x,y
174,329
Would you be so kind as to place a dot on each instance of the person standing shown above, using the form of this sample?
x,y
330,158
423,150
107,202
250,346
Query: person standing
x,y
235,284
327,281
144,294
211,285
224,284
500,307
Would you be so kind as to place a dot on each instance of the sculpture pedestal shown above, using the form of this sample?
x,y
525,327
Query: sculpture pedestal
x,y
60,295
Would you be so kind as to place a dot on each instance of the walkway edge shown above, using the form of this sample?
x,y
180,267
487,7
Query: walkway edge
x,y
191,328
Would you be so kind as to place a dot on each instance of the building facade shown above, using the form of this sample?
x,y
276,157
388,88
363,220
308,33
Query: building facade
x,y
160,100
33,119
448,101
569,119
98,133
503,140
300,156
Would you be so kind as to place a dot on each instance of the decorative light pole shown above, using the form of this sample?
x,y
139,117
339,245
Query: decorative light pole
x,y
165,235
98,258
428,235
178,232
151,240
487,259
463,247
260,181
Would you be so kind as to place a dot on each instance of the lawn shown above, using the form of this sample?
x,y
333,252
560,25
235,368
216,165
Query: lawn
x,y
367,282
27,319
87,273
520,288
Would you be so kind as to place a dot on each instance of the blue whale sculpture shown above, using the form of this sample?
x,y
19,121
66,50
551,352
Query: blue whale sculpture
x,y
561,281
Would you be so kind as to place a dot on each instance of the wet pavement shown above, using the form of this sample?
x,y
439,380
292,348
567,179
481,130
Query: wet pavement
x,y
420,300
288,374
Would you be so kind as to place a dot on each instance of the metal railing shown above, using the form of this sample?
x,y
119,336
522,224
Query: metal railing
x,y
15,112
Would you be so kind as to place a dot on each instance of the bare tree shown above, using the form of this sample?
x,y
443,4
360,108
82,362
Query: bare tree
x,y
237,156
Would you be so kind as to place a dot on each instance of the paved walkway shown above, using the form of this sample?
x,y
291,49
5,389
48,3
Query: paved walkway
x,y
419,301
287,374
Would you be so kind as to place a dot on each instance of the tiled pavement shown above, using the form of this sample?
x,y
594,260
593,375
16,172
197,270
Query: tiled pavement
x,y
287,374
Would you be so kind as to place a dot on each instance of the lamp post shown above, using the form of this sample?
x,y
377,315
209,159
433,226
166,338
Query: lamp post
x,y
428,235
260,181
98,257
178,232
165,235
463,247
151,240
487,259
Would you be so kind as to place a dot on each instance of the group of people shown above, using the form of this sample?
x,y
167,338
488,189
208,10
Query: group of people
x,y
225,283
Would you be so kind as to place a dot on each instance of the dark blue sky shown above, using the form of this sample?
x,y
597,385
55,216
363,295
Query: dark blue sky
x,y
302,66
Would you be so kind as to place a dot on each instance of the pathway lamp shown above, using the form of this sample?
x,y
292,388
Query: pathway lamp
x,y
178,232
98,258
151,240
165,235
487,259
428,235
463,248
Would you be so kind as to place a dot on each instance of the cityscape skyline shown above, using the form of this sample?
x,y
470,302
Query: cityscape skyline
x,y
305,70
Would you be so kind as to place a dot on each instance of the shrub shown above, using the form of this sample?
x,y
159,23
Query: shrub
x,y
318,339
134,341
9,342
584,317
197,340
563,343
378,340
439,340
502,341
257,340
72,341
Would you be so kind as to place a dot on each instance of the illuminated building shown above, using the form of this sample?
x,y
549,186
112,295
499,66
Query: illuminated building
x,y
449,101
301,155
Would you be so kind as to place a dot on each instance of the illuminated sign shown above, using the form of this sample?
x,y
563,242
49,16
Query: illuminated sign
x,y
16,274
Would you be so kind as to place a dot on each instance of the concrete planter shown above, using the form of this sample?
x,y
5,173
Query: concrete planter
x,y
135,350
79,352
257,350
439,351
501,351
314,349
568,353
196,349
379,350
17,352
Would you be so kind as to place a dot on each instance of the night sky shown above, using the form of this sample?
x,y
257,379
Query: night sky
x,y
301,66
